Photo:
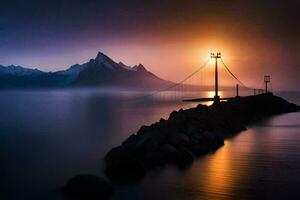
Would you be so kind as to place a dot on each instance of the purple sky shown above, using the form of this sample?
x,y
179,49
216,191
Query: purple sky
x,y
256,37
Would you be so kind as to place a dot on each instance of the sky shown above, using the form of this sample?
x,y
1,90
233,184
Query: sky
x,y
171,38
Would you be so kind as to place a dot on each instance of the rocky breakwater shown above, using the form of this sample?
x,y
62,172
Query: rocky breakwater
x,y
189,133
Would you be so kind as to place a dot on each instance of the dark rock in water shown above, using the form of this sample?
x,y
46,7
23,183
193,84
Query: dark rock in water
x,y
87,187
189,133
123,164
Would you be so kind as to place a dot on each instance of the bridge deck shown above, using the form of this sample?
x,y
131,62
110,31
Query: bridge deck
x,y
208,99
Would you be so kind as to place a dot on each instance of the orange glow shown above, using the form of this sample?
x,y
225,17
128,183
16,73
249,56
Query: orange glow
x,y
219,170
175,56
211,94
222,172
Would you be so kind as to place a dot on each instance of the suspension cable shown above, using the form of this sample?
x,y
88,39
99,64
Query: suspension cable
x,y
175,84
236,78
271,86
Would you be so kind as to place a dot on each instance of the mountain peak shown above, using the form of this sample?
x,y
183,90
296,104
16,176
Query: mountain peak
x,y
139,68
101,57
104,61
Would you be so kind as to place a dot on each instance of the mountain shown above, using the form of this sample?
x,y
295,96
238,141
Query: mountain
x,y
100,71
18,71
104,71
12,77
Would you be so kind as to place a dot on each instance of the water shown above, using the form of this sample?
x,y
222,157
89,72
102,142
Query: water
x,y
46,137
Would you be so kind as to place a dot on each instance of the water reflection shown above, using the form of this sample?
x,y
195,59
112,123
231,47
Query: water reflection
x,y
219,174
175,95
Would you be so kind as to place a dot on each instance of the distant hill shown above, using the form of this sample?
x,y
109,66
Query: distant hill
x,y
18,71
101,71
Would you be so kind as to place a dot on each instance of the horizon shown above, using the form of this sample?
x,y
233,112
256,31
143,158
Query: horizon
x,y
162,35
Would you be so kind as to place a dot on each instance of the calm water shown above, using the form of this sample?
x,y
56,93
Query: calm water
x,y
46,137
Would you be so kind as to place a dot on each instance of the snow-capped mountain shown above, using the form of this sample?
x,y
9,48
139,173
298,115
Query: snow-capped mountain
x,y
104,71
18,71
100,71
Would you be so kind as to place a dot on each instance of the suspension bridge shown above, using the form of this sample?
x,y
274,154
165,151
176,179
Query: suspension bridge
x,y
200,86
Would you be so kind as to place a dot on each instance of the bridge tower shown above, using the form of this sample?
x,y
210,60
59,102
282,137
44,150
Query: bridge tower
x,y
267,79
216,57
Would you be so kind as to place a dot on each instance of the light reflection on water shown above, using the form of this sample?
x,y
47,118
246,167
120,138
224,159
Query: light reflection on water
x,y
176,95
260,163
46,137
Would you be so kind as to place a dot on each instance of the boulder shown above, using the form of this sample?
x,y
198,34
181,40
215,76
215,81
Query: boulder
x,y
87,187
178,139
154,158
168,149
183,158
178,118
123,165
147,143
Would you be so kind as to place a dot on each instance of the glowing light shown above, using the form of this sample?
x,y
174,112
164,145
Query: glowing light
x,y
211,61
211,94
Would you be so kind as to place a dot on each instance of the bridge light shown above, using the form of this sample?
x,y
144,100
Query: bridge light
x,y
216,57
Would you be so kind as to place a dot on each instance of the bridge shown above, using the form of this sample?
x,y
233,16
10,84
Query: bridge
x,y
191,87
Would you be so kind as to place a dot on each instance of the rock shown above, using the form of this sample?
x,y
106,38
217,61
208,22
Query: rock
x,y
167,127
168,149
155,158
161,120
143,129
201,107
178,117
183,158
131,141
147,143
123,165
87,187
194,128
178,139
